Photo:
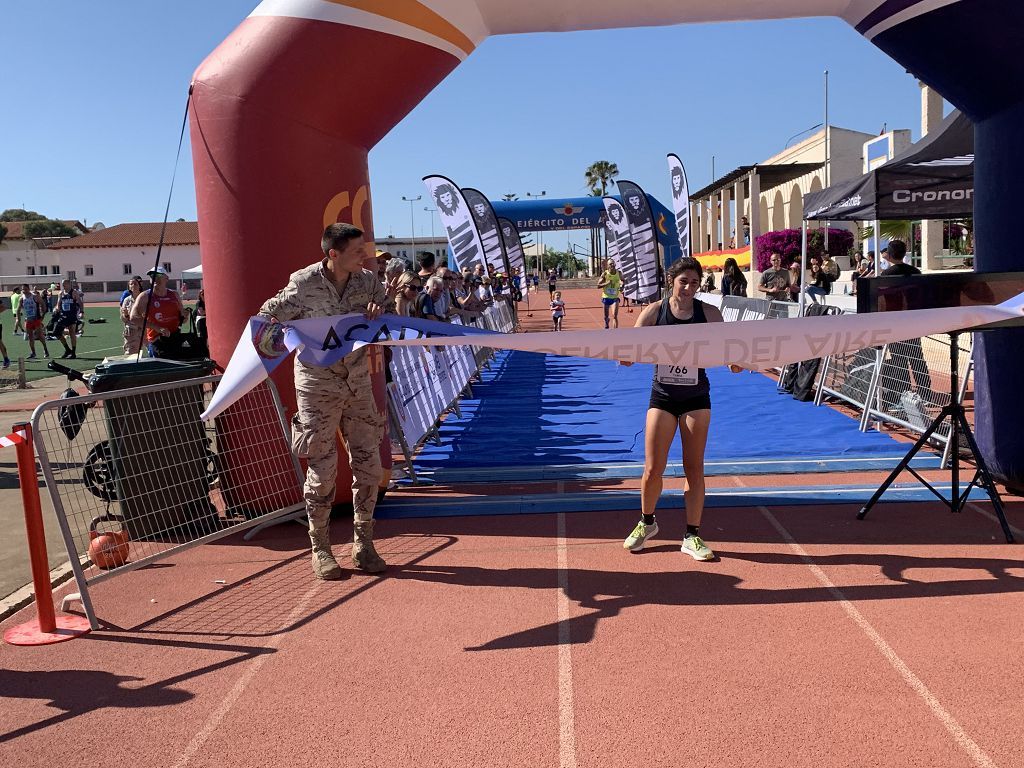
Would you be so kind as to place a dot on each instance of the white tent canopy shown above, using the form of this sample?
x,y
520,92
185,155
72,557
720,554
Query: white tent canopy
x,y
196,273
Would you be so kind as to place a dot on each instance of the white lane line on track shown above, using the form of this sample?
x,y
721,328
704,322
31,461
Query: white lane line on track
x,y
976,753
566,712
218,715
991,516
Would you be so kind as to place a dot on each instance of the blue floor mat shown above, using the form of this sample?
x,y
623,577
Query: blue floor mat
x,y
534,410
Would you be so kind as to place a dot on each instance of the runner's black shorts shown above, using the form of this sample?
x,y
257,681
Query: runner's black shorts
x,y
679,407
64,323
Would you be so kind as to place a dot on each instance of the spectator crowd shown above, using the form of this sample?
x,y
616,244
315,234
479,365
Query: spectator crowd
x,y
431,292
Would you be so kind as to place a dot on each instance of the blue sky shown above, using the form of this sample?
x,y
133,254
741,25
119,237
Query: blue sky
x,y
96,93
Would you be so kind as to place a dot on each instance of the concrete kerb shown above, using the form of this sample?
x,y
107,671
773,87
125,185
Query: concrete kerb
x,y
25,596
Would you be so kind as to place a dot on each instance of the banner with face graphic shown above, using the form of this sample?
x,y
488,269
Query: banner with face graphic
x,y
457,220
513,245
645,243
487,225
680,202
620,243
612,247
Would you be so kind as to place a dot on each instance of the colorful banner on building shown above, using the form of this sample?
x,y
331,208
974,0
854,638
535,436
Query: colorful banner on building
x,y
680,202
317,341
716,259
487,225
645,243
620,243
513,246
457,220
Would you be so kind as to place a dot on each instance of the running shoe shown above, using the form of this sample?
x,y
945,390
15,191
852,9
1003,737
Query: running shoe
x,y
7,363
635,541
31,357
72,356
695,547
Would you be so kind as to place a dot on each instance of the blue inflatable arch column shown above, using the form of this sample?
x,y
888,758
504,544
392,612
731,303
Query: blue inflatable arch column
x,y
969,51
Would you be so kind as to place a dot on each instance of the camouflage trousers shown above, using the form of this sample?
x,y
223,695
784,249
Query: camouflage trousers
x,y
314,429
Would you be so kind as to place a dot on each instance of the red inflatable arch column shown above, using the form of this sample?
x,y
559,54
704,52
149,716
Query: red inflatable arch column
x,y
283,114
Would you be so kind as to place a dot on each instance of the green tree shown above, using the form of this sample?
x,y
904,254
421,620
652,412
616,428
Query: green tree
x,y
571,264
3,232
20,214
49,228
599,175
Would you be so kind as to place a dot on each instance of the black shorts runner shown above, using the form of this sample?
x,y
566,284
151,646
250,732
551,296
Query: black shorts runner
x,y
679,407
64,322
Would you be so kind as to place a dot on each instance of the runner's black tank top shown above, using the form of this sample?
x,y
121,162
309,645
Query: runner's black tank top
x,y
681,391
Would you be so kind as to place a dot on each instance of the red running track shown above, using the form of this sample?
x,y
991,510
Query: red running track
x,y
814,640
893,641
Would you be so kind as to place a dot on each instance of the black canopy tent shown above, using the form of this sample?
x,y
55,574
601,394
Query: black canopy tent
x,y
933,179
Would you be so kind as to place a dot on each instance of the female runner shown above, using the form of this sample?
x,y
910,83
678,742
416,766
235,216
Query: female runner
x,y
680,398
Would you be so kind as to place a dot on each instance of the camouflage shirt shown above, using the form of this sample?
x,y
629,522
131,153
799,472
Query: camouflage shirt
x,y
311,293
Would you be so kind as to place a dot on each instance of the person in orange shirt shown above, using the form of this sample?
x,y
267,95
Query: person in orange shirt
x,y
159,309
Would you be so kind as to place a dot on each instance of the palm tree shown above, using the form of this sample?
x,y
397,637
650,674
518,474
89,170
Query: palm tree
x,y
599,175
890,230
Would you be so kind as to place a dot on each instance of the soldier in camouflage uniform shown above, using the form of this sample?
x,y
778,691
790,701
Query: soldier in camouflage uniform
x,y
337,396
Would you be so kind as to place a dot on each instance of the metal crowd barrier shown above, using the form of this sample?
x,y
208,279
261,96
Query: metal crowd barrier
x,y
905,383
427,382
135,476
731,306
780,310
848,378
911,385
744,308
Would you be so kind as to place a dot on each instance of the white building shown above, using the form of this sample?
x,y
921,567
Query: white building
x,y
103,261
24,259
778,185
407,248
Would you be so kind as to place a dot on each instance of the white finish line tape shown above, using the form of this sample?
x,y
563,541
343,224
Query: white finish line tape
x,y
757,345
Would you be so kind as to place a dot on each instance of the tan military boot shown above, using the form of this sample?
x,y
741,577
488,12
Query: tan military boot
x,y
364,555
324,565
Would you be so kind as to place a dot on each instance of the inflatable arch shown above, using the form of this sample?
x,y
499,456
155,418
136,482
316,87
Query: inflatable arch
x,y
556,214
285,110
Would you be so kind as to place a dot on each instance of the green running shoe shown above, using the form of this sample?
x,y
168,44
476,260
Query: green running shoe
x,y
635,541
695,547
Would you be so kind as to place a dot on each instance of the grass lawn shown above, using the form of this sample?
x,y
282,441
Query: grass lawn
x,y
100,340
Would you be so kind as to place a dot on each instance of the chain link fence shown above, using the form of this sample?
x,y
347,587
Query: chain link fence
x,y
134,475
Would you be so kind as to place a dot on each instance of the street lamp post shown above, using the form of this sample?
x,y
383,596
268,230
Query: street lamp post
x,y
431,211
412,221
540,236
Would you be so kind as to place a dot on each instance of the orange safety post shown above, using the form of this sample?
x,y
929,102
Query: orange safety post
x,y
47,627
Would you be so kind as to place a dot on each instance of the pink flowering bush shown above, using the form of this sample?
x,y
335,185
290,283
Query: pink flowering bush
x,y
787,243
